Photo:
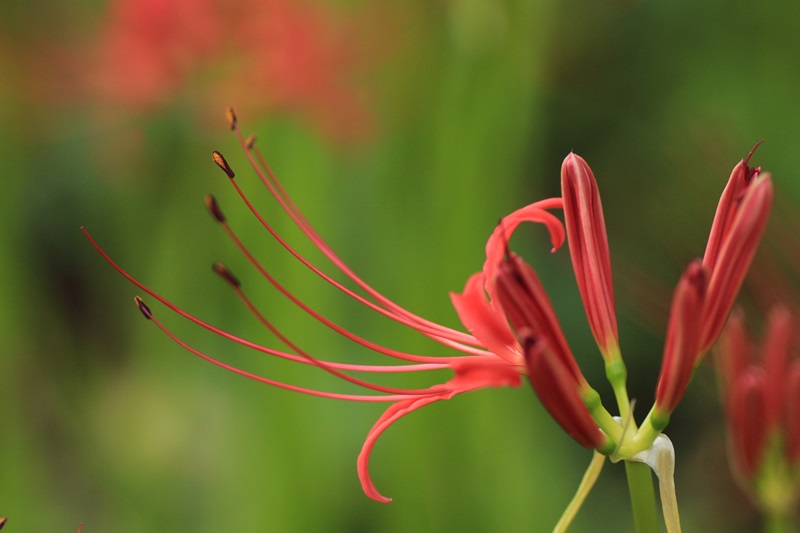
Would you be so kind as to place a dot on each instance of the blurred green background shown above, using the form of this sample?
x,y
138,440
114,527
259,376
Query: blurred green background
x,y
404,131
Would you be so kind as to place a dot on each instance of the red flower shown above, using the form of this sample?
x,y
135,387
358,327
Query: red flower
x,y
738,225
276,55
506,292
704,299
149,47
761,390
490,354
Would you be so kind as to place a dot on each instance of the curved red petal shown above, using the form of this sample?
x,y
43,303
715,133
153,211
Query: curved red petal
x,y
483,321
481,372
536,212
389,417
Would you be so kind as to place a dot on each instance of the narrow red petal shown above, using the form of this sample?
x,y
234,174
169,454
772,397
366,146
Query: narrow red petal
x,y
741,178
560,393
483,322
682,346
588,247
497,244
736,252
525,303
474,373
390,416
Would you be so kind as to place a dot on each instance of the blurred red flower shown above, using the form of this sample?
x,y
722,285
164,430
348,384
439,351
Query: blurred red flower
x,y
271,55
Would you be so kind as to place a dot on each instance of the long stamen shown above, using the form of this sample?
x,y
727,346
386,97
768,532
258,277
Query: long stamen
x,y
279,384
230,336
432,333
375,347
235,285
269,179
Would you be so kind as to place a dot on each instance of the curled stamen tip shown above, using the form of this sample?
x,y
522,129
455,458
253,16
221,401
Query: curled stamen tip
x,y
230,115
250,142
143,308
226,274
747,159
221,163
213,208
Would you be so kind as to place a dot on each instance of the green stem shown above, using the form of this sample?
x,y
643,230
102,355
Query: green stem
x,y
643,439
586,485
617,375
643,497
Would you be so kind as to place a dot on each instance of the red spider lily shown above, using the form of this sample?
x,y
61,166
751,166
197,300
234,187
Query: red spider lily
x,y
276,55
506,291
761,392
491,356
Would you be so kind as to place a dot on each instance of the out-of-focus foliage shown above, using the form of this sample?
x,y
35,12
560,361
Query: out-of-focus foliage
x,y
404,131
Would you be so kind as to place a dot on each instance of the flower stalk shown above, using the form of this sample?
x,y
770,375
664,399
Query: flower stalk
x,y
643,497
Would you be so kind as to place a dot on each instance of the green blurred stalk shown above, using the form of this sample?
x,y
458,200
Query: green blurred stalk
x,y
643,497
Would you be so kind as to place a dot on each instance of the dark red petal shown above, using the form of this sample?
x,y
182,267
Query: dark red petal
x,y
560,393
683,338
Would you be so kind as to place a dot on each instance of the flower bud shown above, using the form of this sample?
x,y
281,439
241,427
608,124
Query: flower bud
x,y
588,248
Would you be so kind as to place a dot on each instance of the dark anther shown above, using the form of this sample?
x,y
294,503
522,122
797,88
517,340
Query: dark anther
x,y
226,274
143,308
250,142
220,161
213,208
231,117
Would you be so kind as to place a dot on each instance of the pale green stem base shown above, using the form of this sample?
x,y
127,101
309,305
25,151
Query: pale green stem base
x,y
589,478
643,497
